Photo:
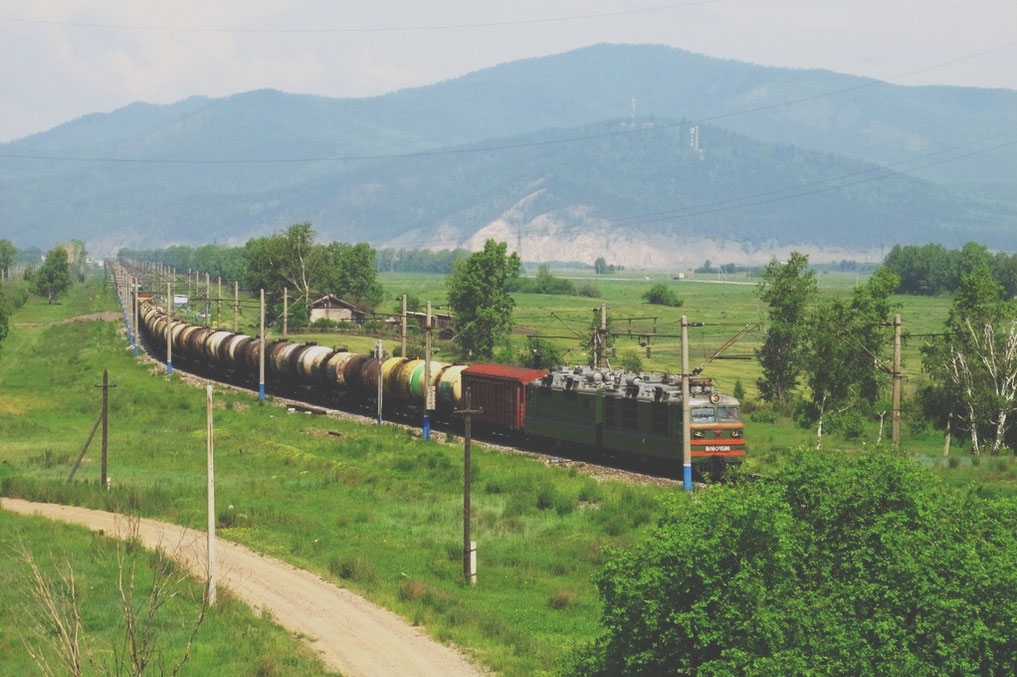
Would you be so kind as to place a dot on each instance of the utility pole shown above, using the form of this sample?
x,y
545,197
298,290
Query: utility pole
x,y
286,311
137,315
169,334
105,425
895,396
428,389
218,305
600,338
686,413
469,547
378,353
236,306
210,493
208,300
261,351
403,343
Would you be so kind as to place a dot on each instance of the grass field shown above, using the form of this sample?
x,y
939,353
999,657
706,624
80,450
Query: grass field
x,y
375,509
378,509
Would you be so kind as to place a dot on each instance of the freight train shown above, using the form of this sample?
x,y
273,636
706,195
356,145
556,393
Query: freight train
x,y
606,412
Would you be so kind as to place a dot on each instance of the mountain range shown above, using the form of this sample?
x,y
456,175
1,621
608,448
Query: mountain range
x,y
644,154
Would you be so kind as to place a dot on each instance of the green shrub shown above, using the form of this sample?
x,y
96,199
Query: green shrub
x,y
661,294
839,560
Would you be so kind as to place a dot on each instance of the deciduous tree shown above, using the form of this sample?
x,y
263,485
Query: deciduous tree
x,y
975,367
788,289
847,342
53,277
481,306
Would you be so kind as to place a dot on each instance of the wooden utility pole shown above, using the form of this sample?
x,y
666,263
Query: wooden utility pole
x,y
895,424
105,425
103,419
212,572
469,547
686,405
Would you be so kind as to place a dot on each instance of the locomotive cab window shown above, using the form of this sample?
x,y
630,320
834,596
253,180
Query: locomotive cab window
x,y
727,413
703,415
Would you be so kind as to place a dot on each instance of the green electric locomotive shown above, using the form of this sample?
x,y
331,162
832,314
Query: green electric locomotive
x,y
621,413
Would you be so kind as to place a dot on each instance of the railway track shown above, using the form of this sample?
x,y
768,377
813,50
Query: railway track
x,y
447,435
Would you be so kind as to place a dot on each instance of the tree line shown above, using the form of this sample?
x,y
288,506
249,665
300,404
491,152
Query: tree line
x,y
932,269
290,260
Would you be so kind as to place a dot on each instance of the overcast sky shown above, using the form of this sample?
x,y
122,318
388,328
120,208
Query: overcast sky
x,y
60,59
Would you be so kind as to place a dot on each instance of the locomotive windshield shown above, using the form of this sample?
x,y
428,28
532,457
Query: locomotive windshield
x,y
727,413
703,415
712,415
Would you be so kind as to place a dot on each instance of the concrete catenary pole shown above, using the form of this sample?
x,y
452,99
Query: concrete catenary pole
x,y
403,334
428,399
686,413
378,354
286,312
169,322
261,351
895,396
236,306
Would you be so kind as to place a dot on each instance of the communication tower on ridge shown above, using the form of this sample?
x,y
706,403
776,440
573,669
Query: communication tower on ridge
x,y
694,141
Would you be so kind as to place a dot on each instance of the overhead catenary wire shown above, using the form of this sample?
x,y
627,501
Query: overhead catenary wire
x,y
307,30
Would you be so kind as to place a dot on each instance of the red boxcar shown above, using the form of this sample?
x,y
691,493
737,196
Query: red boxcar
x,y
500,391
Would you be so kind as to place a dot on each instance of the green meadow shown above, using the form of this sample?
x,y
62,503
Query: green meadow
x,y
376,509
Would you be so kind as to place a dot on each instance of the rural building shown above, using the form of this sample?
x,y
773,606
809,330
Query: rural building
x,y
333,308
438,320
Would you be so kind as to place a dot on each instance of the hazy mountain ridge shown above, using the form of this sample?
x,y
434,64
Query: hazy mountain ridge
x,y
255,176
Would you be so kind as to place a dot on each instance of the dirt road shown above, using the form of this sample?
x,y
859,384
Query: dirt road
x,y
350,634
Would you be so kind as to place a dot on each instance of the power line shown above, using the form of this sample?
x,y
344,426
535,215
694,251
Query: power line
x,y
361,29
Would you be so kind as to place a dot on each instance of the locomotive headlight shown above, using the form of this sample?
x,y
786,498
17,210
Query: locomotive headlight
x,y
736,433
699,434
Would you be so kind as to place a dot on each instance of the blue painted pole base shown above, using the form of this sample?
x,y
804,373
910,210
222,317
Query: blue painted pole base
x,y
135,349
427,427
688,477
169,367
261,392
